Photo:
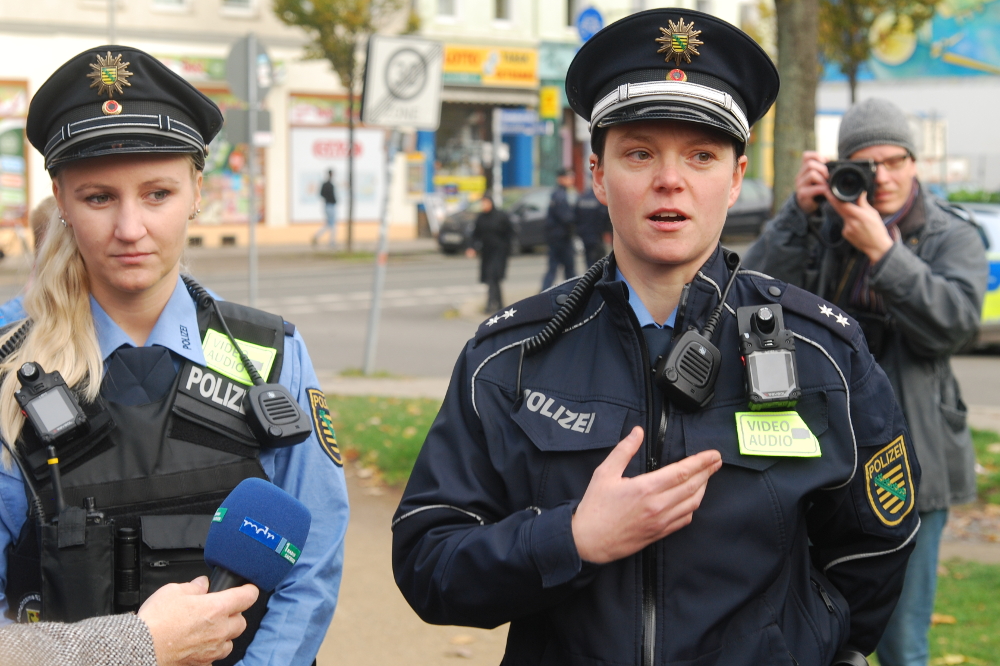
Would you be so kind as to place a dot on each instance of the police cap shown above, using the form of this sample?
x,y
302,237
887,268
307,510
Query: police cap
x,y
672,64
117,99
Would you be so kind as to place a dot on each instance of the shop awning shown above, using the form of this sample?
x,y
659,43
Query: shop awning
x,y
478,95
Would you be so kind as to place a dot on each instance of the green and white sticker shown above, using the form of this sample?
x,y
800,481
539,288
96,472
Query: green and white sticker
x,y
290,552
221,356
220,513
775,434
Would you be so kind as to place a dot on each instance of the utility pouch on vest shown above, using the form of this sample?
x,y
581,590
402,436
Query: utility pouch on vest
x,y
172,549
77,568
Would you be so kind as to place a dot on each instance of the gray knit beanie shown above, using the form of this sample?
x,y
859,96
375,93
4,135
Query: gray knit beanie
x,y
874,122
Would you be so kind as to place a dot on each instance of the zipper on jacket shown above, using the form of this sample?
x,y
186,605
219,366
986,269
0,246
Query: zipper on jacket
x,y
826,597
649,552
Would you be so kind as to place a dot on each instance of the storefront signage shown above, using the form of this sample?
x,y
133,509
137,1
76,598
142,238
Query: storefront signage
x,y
549,102
317,110
521,121
485,66
13,171
314,150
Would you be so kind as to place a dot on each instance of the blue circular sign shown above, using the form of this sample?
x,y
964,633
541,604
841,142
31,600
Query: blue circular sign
x,y
589,22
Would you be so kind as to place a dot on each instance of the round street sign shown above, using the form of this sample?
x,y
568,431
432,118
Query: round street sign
x,y
589,22
406,74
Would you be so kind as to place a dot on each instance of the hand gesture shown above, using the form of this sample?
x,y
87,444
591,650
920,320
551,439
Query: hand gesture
x,y
863,227
620,516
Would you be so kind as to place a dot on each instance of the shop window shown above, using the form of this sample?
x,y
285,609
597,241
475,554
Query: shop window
x,y
245,8
502,9
171,6
447,8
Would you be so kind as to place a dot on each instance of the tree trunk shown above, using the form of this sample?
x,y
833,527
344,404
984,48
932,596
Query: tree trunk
x,y
852,80
795,111
350,166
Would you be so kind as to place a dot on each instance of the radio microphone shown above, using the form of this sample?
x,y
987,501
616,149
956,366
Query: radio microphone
x,y
256,536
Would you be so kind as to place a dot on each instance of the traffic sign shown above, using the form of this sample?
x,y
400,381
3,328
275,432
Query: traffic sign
x,y
237,69
589,22
403,83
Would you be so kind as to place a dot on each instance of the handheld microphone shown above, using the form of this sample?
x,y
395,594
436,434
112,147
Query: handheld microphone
x,y
256,536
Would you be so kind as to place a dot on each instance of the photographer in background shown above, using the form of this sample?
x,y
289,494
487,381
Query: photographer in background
x,y
913,273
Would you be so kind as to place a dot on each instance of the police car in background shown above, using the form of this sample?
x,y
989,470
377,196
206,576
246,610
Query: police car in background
x,y
526,207
988,217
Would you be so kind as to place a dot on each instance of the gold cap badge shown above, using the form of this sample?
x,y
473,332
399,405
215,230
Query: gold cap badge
x,y
110,74
679,41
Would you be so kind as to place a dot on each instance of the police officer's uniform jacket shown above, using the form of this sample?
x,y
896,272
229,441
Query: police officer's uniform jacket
x,y
786,560
169,444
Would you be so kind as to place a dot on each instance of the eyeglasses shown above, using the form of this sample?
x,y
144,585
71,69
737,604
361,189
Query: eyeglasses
x,y
894,163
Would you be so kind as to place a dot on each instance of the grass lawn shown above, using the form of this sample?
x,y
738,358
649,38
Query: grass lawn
x,y
384,433
987,444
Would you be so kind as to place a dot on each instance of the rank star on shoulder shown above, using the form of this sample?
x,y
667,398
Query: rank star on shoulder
x,y
842,320
825,310
507,314
492,320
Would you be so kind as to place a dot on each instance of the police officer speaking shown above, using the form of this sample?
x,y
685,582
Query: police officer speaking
x,y
669,460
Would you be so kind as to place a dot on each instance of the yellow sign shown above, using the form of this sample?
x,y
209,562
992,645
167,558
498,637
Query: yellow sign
x,y
221,356
548,102
485,66
775,434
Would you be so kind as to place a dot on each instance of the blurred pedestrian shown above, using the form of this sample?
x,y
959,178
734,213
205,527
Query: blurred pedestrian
x,y
44,213
559,230
329,195
492,238
913,273
593,224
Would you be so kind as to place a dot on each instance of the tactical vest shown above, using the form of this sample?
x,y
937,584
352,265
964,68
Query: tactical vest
x,y
163,450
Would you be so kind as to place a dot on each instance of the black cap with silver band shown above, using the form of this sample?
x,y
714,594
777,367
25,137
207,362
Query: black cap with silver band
x,y
672,64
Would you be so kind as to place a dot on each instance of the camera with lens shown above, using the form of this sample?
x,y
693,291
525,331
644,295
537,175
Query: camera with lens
x,y
849,178
48,404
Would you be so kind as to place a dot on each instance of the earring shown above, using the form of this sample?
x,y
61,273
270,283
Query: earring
x,y
62,220
195,214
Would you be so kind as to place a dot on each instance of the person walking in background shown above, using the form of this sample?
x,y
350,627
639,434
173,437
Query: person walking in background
x,y
593,223
912,271
492,238
559,230
329,194
44,213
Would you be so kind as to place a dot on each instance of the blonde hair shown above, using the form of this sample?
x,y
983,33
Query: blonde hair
x,y
62,335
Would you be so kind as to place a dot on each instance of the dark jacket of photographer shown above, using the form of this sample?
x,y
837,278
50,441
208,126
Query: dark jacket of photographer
x,y
932,283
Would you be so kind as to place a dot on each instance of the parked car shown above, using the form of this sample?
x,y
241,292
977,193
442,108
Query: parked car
x,y
526,207
988,217
751,210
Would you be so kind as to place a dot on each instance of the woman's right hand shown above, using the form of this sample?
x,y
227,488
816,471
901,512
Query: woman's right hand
x,y
191,627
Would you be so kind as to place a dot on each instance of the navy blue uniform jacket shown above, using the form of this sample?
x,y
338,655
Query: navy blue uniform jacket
x,y
786,560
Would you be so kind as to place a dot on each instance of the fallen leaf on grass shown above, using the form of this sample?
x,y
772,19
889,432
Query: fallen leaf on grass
x,y
950,659
365,473
409,431
943,571
462,639
993,448
351,454
941,618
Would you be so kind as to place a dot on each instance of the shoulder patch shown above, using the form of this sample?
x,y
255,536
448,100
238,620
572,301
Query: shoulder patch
x,y
324,426
540,307
811,306
889,483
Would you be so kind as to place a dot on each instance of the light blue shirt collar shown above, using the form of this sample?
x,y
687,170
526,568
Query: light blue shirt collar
x,y
639,308
176,328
